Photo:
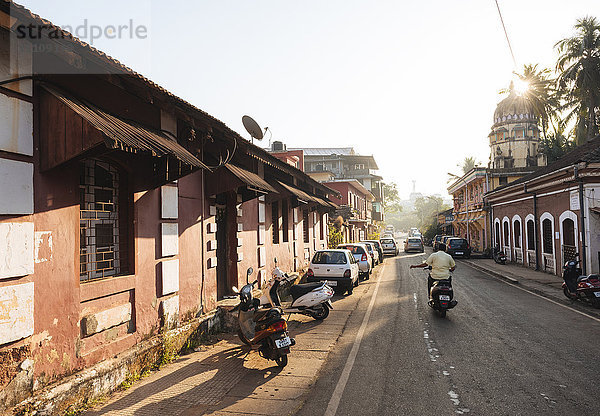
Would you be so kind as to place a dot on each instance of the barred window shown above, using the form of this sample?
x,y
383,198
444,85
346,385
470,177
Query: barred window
x,y
103,234
547,237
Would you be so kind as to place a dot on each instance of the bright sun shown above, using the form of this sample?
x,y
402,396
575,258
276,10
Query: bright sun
x,y
521,86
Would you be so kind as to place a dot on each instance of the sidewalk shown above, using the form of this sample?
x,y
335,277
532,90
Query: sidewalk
x,y
544,284
226,378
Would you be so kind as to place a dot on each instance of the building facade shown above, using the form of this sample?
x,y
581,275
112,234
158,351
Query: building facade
x,y
355,203
131,211
544,219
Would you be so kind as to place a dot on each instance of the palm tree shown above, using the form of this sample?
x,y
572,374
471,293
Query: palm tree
x,y
579,68
542,95
468,164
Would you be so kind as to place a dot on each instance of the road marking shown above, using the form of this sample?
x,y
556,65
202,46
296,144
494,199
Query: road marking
x,y
535,294
336,397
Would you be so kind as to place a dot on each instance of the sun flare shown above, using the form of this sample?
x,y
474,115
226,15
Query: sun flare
x,y
521,86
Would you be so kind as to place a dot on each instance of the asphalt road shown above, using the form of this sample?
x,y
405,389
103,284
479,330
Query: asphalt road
x,y
501,351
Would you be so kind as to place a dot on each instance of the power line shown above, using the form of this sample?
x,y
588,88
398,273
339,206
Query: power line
x,y
506,34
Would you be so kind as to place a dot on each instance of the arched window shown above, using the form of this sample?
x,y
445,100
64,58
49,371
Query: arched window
x,y
506,231
530,235
568,235
547,236
498,234
517,233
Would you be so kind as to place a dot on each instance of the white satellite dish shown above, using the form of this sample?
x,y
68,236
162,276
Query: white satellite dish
x,y
252,127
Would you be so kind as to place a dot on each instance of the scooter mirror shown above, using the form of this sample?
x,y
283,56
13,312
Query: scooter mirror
x,y
275,260
248,273
235,289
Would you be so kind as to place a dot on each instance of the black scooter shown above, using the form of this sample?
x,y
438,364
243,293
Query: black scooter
x,y
499,256
262,328
441,295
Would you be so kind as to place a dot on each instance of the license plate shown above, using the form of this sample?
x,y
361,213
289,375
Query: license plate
x,y
444,297
283,342
329,282
597,294
459,252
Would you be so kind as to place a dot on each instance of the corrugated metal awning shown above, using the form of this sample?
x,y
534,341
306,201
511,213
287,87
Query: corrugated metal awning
x,y
125,135
306,197
249,178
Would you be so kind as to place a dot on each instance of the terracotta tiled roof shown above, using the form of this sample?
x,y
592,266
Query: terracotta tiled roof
x,y
21,12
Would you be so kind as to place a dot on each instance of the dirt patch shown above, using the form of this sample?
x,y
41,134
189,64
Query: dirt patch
x,y
10,360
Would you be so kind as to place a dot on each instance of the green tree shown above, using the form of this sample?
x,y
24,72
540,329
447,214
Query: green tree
x,y
556,145
578,66
541,93
468,164
426,208
391,199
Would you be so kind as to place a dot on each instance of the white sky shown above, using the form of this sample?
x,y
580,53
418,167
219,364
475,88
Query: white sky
x,y
413,83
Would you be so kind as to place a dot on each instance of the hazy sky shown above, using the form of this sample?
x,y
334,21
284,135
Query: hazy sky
x,y
415,83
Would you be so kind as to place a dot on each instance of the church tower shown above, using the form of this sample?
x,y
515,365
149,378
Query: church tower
x,y
515,135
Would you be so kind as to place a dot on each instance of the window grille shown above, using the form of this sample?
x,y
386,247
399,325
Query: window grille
x,y
275,221
530,235
305,225
547,236
103,245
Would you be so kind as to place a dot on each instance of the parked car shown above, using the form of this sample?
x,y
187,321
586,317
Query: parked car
x,y
338,268
413,244
446,238
361,254
379,248
372,251
458,247
436,241
389,245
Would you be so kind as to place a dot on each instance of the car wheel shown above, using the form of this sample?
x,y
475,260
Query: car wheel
x,y
350,290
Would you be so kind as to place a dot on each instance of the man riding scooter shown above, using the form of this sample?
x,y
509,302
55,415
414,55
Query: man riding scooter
x,y
442,264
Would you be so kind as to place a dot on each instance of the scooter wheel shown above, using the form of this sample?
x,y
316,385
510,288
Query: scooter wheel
x,y
443,313
320,312
282,361
243,337
567,293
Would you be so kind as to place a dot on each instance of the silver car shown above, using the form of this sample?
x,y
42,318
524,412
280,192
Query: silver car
x,y
362,256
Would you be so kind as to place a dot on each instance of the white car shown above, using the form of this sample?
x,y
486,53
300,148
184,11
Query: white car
x,y
361,254
338,268
389,245
372,251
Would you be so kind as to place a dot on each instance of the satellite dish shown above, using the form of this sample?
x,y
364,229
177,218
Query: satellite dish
x,y
252,127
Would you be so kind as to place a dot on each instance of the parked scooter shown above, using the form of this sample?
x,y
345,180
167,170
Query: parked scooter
x,y
499,256
441,295
264,328
576,286
311,299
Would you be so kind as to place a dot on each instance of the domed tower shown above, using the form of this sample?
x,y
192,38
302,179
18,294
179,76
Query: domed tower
x,y
515,136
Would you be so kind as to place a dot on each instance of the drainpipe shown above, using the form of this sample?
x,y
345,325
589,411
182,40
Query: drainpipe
x,y
583,256
535,226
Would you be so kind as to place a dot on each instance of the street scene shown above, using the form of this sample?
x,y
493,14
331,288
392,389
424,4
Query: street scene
x,y
327,208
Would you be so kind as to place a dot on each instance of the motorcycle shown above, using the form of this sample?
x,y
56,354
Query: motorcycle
x,y
441,295
311,299
262,328
576,286
499,256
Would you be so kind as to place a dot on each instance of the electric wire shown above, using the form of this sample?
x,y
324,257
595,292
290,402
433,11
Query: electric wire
x,y
506,34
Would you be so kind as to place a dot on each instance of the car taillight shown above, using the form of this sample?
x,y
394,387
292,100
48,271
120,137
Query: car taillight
x,y
347,273
363,258
278,326
310,273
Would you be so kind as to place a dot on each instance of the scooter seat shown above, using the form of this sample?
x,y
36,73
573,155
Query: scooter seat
x,y
302,289
263,314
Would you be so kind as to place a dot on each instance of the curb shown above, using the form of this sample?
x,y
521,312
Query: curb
x,y
501,276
